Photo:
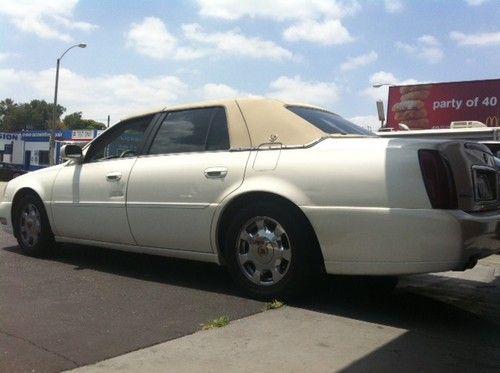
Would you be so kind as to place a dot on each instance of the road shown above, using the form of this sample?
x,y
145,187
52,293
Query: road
x,y
86,304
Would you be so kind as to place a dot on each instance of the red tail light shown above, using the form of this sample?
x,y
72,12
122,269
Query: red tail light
x,y
438,179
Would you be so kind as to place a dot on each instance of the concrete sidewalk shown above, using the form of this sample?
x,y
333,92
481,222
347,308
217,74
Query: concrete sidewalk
x,y
409,333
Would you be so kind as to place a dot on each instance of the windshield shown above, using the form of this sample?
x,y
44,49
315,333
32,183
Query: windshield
x,y
329,122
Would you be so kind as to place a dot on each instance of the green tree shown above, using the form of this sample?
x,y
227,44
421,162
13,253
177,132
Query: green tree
x,y
6,107
75,121
34,115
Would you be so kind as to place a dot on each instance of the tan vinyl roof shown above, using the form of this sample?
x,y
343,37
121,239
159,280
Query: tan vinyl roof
x,y
256,121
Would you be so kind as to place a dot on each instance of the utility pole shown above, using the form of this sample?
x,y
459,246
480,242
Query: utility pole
x,y
52,141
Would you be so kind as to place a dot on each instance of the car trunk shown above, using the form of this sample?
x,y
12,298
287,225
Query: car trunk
x,y
474,173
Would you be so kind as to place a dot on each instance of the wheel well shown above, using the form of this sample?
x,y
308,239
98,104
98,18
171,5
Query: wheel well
x,y
247,199
17,197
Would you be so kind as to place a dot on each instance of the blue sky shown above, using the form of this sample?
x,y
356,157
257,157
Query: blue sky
x,y
143,55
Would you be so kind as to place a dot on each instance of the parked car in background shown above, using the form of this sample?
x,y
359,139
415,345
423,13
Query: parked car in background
x,y
277,192
9,171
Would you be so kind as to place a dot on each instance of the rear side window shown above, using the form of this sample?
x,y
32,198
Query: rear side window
x,y
192,130
329,122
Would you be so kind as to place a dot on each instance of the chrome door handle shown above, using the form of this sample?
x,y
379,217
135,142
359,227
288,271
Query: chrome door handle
x,y
215,172
114,176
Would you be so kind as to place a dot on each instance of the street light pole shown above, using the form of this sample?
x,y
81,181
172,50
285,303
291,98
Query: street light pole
x,y
52,141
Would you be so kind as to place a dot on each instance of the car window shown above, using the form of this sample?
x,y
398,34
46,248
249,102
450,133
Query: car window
x,y
123,142
218,137
329,122
192,130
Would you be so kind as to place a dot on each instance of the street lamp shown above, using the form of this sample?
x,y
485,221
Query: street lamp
x,y
378,85
54,110
380,107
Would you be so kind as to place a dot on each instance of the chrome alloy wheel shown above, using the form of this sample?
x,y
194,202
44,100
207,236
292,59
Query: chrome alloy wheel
x,y
264,251
30,225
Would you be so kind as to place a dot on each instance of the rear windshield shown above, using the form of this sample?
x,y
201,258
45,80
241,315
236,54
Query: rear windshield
x,y
329,122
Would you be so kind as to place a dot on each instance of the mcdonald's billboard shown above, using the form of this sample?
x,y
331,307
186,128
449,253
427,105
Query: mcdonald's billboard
x,y
436,105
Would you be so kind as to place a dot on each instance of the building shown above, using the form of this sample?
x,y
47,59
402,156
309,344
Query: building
x,y
30,149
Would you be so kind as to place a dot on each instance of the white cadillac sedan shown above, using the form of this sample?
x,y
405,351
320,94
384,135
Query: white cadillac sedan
x,y
276,192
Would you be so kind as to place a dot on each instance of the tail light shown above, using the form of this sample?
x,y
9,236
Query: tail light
x,y
438,179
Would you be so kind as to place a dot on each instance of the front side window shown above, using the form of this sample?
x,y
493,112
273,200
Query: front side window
x,y
123,142
192,130
329,122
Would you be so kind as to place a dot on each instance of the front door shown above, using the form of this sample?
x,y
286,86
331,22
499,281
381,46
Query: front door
x,y
176,187
89,198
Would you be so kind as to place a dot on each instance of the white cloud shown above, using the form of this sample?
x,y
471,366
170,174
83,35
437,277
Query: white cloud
x,y
6,56
431,54
359,61
427,49
296,89
50,19
117,95
214,91
484,39
476,2
278,10
406,47
387,79
151,38
234,43
428,40
393,6
326,33
370,122
317,21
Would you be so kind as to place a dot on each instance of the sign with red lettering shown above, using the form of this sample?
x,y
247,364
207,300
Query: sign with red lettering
x,y
432,106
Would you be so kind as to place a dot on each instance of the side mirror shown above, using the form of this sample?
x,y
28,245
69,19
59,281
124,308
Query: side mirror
x,y
72,152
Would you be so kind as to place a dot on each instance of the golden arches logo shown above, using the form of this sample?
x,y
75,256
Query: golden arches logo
x,y
491,121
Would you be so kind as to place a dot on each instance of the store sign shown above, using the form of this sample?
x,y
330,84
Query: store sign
x,y
9,136
428,106
39,134
82,135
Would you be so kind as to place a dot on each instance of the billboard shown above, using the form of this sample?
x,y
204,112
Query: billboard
x,y
436,105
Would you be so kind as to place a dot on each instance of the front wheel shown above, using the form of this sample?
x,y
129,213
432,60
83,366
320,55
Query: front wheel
x,y
31,227
270,251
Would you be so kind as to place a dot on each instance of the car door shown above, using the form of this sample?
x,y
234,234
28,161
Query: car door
x,y
176,187
89,198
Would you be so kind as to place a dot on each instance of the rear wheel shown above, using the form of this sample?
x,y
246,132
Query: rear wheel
x,y
270,251
31,226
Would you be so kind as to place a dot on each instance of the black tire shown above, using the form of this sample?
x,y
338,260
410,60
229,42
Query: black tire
x,y
303,265
33,241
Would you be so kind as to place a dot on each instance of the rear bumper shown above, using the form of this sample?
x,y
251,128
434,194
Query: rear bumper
x,y
386,241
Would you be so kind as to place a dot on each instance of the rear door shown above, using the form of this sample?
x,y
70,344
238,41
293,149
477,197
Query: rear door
x,y
175,189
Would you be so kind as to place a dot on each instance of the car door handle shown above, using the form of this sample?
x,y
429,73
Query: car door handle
x,y
215,172
114,176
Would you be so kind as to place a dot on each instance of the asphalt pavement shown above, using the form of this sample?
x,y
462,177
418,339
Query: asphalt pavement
x,y
445,322
87,305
